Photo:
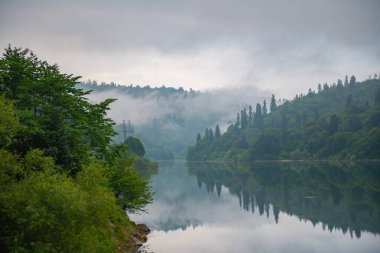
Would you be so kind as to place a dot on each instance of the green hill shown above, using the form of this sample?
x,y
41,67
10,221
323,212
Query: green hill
x,y
336,122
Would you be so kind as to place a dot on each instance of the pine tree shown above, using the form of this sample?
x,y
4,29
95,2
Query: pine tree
x,y
352,81
237,124
339,84
244,119
273,104
265,111
250,115
210,135
199,138
319,88
258,116
217,132
206,134
346,81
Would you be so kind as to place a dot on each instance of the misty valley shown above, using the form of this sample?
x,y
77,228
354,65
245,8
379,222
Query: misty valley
x,y
88,167
200,126
262,174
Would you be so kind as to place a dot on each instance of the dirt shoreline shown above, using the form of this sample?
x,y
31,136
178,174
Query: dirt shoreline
x,y
138,238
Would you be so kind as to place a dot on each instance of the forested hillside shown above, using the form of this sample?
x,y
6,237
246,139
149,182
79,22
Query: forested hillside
x,y
159,130
165,118
338,121
64,186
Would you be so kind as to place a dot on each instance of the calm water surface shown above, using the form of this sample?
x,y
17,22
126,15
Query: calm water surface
x,y
264,207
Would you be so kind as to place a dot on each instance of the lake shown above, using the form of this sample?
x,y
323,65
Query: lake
x,y
264,207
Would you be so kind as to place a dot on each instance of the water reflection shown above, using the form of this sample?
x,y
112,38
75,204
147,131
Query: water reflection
x,y
263,207
340,196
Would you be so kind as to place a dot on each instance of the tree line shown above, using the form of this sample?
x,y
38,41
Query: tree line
x,y
338,121
137,90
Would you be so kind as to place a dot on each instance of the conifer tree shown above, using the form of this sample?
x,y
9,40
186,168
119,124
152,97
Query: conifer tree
x,y
210,135
339,83
258,116
217,132
250,115
265,110
244,119
237,124
352,81
198,138
273,104
206,137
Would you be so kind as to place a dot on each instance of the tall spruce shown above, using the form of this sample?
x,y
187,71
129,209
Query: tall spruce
x,y
250,115
244,119
217,132
258,119
352,81
273,104
199,138
265,110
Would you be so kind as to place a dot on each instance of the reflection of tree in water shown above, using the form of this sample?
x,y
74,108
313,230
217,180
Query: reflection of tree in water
x,y
340,196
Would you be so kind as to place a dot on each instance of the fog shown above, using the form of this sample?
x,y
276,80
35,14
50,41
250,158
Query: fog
x,y
218,104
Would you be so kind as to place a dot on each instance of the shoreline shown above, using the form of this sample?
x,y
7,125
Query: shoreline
x,y
137,239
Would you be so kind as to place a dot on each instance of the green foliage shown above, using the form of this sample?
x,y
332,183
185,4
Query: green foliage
x,y
56,116
51,213
10,168
133,192
135,146
63,186
217,133
273,104
9,123
336,123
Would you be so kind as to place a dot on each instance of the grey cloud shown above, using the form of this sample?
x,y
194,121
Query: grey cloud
x,y
174,42
178,23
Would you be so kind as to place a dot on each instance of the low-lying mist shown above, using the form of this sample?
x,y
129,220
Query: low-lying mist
x,y
224,103
171,122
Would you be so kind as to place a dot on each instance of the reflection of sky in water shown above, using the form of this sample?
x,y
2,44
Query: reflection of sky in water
x,y
188,219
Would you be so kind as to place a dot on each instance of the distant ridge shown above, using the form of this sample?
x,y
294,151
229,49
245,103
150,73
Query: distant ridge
x,y
338,121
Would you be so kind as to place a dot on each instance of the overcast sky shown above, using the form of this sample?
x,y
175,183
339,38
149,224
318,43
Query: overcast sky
x,y
281,46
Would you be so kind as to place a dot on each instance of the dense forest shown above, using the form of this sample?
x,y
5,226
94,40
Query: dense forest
x,y
338,121
65,187
158,131
166,119
137,90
